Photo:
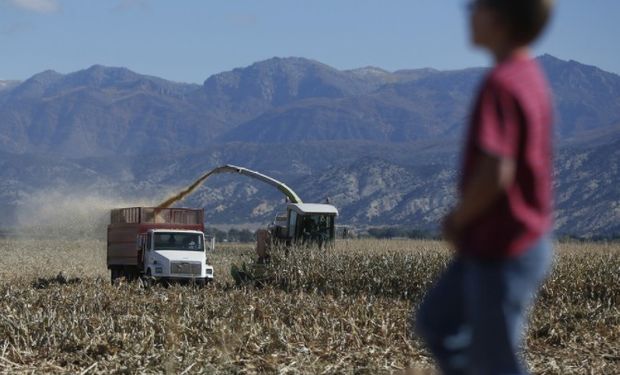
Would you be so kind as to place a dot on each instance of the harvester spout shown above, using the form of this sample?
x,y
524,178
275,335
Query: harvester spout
x,y
284,189
287,191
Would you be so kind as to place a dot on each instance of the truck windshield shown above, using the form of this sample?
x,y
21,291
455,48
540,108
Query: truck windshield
x,y
178,241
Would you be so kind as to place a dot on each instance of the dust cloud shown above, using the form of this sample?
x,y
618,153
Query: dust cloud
x,y
67,215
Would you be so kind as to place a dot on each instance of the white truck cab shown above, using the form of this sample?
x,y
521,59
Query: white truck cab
x,y
172,254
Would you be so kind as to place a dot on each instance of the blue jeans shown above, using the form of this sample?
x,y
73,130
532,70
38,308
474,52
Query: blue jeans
x,y
472,320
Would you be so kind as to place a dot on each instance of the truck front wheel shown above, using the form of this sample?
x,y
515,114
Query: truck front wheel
x,y
147,279
115,274
201,283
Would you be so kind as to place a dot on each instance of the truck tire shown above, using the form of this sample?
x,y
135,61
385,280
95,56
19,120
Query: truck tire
x,y
147,280
115,274
132,273
201,283
129,273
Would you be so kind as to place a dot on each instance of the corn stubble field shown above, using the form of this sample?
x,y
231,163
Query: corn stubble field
x,y
344,311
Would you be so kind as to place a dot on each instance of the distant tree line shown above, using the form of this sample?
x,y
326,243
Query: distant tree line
x,y
405,232
388,232
232,235
614,237
400,232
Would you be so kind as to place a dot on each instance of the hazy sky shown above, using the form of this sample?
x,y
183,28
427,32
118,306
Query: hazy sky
x,y
188,40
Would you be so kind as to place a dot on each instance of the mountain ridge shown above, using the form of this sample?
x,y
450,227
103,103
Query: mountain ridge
x,y
384,146
284,99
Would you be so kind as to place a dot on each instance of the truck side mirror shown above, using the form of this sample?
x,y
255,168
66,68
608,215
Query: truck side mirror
x,y
210,244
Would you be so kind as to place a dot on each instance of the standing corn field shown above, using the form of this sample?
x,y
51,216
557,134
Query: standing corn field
x,y
337,312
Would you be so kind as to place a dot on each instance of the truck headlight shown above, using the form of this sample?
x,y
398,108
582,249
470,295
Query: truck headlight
x,y
158,270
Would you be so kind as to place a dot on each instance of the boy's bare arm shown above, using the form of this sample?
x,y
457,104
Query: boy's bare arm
x,y
492,176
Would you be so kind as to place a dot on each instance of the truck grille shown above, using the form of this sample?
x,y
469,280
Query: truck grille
x,y
185,268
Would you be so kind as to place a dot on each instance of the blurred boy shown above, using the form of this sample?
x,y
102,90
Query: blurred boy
x,y
473,318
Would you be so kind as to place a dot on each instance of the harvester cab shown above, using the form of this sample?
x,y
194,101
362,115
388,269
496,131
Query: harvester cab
x,y
306,224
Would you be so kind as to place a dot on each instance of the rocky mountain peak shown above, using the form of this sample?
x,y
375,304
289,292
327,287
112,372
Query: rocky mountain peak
x,y
369,71
37,85
101,76
586,97
46,76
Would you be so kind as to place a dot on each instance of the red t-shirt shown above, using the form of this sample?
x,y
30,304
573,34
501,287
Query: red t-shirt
x,y
512,118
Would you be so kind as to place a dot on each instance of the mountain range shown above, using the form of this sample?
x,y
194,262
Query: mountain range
x,y
383,146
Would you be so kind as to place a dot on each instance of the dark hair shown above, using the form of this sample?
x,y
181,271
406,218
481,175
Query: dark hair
x,y
525,18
